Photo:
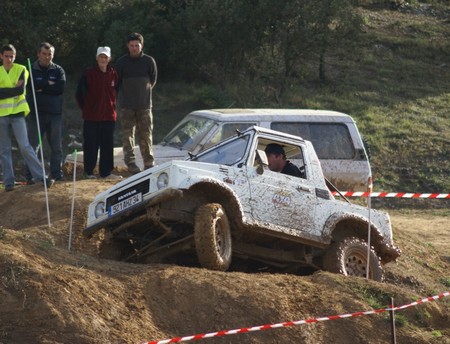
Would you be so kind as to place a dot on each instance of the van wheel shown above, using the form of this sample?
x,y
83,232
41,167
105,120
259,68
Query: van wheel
x,y
349,257
212,237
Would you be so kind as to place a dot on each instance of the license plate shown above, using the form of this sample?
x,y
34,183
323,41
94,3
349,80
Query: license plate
x,y
125,204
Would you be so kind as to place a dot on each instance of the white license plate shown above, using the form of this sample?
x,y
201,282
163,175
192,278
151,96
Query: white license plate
x,y
125,204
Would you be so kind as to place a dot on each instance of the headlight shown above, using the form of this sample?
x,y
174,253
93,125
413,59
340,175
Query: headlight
x,y
99,209
162,181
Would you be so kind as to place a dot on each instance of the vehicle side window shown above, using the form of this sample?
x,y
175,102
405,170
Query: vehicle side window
x,y
330,140
226,130
293,155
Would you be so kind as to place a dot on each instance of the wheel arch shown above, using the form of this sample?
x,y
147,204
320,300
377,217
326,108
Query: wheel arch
x,y
216,192
345,225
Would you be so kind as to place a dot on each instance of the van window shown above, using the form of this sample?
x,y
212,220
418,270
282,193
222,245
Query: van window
x,y
330,140
188,133
227,130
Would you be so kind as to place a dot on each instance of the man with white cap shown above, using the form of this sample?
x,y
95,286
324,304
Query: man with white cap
x,y
96,97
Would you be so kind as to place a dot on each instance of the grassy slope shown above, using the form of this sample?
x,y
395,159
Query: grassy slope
x,y
396,85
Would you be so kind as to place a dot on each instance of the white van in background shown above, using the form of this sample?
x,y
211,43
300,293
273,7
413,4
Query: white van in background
x,y
334,136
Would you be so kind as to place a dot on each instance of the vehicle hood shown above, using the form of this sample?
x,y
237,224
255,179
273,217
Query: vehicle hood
x,y
166,153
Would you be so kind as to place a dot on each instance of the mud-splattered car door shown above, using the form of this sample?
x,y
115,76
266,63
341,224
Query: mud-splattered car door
x,y
282,200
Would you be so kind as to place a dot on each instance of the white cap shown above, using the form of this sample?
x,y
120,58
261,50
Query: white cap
x,y
104,50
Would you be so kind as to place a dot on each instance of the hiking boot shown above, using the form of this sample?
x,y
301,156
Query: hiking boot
x,y
149,164
133,168
89,176
9,188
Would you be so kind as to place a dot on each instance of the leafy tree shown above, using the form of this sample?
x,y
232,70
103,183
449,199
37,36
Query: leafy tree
x,y
74,27
259,43
133,16
239,45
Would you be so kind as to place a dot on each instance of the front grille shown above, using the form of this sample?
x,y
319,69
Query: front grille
x,y
142,187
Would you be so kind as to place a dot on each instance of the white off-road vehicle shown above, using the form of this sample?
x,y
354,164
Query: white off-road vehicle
x,y
224,207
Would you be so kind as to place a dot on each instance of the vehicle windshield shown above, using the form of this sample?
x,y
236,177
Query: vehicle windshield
x,y
228,154
188,133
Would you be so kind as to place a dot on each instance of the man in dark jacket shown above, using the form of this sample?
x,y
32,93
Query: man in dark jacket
x,y
49,81
137,76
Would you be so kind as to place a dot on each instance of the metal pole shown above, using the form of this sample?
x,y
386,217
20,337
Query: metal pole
x,y
392,317
40,142
73,196
369,206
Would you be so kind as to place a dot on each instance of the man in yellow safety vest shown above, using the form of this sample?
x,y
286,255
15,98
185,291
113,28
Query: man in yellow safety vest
x,y
13,109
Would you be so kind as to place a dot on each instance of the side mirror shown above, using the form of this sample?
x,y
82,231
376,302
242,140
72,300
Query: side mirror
x,y
261,161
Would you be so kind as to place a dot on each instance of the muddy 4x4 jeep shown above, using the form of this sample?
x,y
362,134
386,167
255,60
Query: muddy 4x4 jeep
x,y
225,203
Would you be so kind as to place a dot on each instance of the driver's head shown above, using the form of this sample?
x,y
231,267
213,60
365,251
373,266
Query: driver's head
x,y
275,156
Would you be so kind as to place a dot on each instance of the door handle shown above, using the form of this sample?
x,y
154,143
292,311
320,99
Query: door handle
x,y
301,188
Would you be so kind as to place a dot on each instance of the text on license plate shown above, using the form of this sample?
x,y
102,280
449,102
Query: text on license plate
x,y
125,204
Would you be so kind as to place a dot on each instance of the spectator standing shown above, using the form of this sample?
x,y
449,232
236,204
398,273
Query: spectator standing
x,y
49,82
96,97
137,76
13,109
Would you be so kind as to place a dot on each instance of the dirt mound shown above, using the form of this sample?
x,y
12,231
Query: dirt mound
x,y
49,294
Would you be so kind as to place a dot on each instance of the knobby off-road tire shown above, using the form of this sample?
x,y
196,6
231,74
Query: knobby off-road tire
x,y
212,237
349,257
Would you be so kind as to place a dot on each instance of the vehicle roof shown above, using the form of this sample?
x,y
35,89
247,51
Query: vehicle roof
x,y
274,115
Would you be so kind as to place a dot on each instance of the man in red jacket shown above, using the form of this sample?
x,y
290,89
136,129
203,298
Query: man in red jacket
x,y
96,97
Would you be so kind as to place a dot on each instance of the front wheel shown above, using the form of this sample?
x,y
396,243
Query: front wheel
x,y
115,249
349,257
212,237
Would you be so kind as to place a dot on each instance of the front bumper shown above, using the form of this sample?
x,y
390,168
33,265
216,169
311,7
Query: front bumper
x,y
118,218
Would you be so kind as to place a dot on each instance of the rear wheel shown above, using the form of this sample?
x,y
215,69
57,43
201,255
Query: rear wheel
x,y
349,257
212,237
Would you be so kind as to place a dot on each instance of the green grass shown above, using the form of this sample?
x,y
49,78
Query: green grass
x,y
377,299
445,281
436,333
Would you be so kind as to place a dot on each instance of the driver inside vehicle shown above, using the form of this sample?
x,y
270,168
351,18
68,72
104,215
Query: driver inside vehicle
x,y
278,162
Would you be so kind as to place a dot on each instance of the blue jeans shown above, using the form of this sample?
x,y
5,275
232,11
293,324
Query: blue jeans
x,y
19,128
50,124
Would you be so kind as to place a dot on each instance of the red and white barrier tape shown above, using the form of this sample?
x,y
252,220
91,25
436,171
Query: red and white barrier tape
x,y
375,194
393,194
293,323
